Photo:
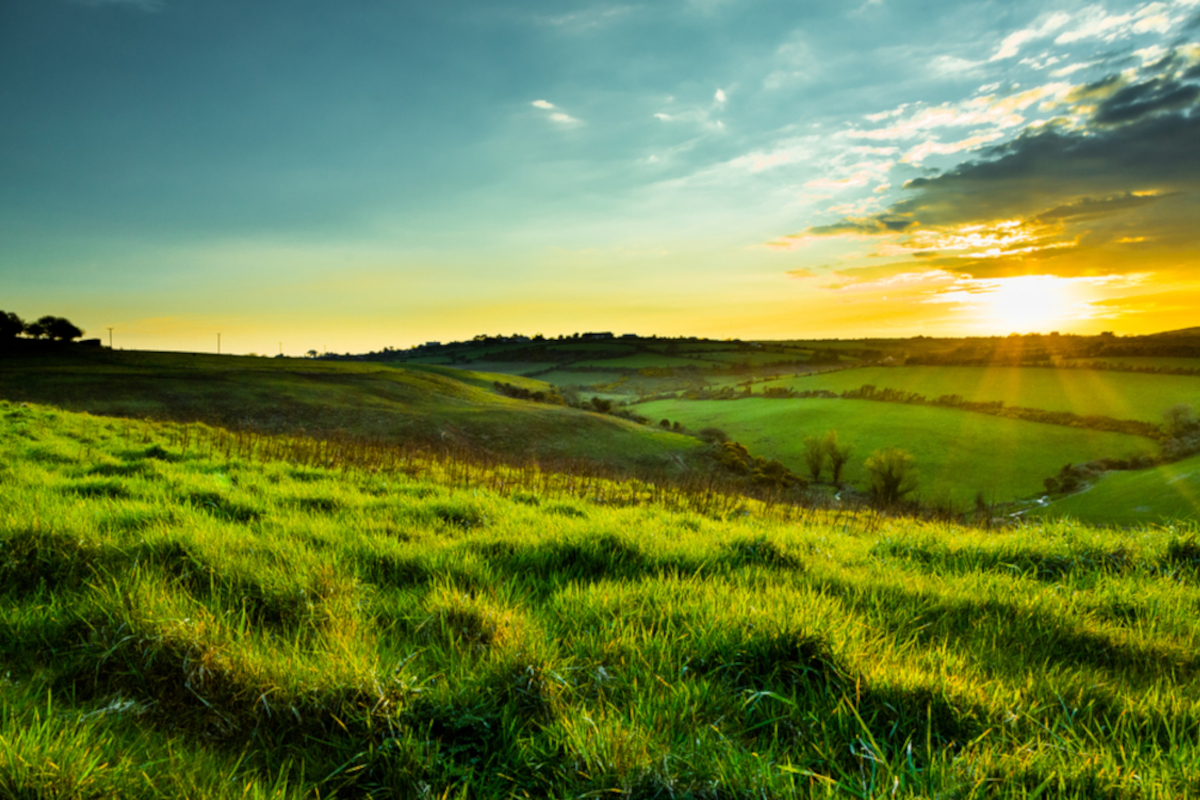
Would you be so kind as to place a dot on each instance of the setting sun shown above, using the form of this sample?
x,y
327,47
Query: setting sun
x,y
1030,303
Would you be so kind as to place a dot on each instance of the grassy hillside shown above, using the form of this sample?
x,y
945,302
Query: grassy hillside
x,y
176,621
400,403
1121,395
958,453
1162,494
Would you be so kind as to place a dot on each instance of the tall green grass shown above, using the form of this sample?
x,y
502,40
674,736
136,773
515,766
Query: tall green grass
x,y
179,617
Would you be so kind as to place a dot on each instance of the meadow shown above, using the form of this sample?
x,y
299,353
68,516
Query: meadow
x,y
1120,395
399,403
958,454
190,612
1162,494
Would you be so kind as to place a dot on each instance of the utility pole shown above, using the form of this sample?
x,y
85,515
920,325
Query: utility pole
x,y
110,338
218,344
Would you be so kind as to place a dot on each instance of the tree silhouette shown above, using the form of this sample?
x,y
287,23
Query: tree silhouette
x,y
11,325
59,329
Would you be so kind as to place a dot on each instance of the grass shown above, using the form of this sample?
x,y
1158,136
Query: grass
x,y
182,619
1120,395
1151,362
427,404
643,360
958,453
1159,495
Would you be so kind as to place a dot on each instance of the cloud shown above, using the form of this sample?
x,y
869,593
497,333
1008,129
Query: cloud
x,y
1145,99
1012,43
720,96
952,66
585,20
1115,187
919,153
556,116
1098,24
987,110
795,62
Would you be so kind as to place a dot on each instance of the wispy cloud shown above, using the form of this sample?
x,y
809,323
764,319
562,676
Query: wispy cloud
x,y
1012,43
585,20
557,116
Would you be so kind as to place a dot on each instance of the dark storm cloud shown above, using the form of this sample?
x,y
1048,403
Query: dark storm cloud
x,y
1145,99
1095,208
1055,167
1136,149
1116,194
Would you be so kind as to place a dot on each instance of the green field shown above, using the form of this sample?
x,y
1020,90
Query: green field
x,y
1149,362
755,357
581,378
1159,495
405,403
958,453
642,360
184,614
1121,395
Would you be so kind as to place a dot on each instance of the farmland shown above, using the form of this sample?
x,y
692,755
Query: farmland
x,y
1121,395
419,404
958,454
188,612
1155,496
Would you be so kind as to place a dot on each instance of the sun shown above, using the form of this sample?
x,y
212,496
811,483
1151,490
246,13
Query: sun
x,y
1026,304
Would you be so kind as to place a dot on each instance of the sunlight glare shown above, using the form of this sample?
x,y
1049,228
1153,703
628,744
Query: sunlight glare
x,y
1029,303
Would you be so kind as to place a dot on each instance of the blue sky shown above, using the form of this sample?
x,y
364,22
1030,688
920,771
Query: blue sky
x,y
358,174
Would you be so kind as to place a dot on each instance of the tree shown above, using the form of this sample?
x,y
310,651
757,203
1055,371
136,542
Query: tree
x,y
35,330
838,454
814,456
11,325
59,329
892,475
1179,420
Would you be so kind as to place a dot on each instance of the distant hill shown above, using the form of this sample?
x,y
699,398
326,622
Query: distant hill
x,y
1182,332
419,404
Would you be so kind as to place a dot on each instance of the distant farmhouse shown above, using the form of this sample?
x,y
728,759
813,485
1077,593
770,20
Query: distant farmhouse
x,y
604,335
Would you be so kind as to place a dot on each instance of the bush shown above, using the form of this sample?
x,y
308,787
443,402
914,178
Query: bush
x,y
892,475
814,456
838,454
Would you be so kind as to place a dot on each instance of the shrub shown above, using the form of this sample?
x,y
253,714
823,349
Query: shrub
x,y
838,454
814,456
892,475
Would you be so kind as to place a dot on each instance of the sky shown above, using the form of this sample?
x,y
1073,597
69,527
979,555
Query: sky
x,y
345,176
